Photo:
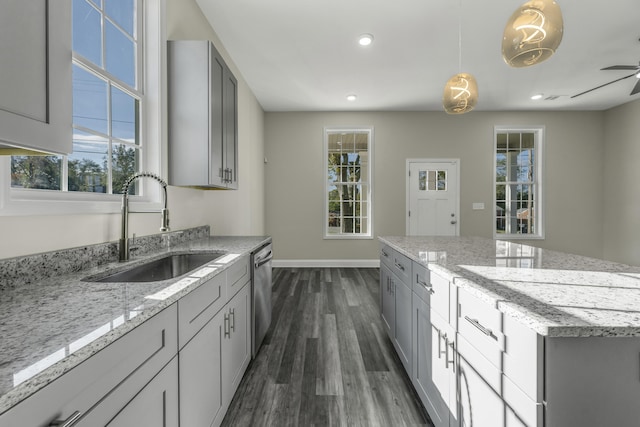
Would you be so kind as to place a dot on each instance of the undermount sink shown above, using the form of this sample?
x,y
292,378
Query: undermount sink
x,y
168,267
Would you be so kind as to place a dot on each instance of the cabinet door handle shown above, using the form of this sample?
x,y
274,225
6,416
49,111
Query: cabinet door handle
x,y
399,266
386,255
73,418
227,333
426,286
488,332
233,320
446,353
440,335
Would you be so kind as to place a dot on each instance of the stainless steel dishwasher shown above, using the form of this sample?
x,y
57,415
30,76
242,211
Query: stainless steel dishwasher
x,y
261,301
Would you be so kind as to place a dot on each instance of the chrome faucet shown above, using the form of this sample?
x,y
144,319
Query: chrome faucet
x,y
124,240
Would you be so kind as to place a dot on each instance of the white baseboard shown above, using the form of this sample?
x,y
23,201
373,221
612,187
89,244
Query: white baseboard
x,y
323,263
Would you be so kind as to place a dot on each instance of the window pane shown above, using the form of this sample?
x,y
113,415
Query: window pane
x,y
120,53
442,181
41,172
124,112
501,167
422,180
88,168
87,38
125,162
122,12
89,100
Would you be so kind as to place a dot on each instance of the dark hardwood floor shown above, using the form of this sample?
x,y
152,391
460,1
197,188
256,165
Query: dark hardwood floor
x,y
326,359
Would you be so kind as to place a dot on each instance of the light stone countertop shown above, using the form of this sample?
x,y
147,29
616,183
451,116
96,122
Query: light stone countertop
x,y
554,293
50,326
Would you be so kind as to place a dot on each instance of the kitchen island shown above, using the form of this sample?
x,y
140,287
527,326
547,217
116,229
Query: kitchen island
x,y
56,320
527,336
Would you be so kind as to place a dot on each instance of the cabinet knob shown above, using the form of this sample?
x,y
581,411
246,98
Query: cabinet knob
x,y
73,418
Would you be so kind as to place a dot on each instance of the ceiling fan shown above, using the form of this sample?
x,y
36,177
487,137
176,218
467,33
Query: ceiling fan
x,y
636,73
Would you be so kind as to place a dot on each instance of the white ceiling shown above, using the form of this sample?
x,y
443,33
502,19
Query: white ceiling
x,y
303,55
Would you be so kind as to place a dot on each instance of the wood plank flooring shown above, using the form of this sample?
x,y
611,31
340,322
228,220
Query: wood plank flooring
x,y
326,359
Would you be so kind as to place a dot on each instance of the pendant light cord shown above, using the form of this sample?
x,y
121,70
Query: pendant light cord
x,y
460,36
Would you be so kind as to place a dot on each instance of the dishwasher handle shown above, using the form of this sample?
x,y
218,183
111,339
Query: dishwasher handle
x,y
263,260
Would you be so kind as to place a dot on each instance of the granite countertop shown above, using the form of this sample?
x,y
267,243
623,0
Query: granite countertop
x,y
50,326
554,293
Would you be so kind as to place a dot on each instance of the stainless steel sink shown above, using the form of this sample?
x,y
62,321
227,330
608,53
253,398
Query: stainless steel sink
x,y
168,267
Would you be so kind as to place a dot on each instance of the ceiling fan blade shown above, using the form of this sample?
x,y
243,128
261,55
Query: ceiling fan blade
x,y
622,67
636,88
606,84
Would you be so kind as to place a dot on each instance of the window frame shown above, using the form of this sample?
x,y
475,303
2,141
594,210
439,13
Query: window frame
x,y
348,236
150,80
538,181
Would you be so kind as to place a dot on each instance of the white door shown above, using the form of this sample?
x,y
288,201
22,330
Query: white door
x,y
433,197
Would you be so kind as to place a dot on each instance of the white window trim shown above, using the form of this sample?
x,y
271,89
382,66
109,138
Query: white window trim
x,y
539,132
354,236
15,201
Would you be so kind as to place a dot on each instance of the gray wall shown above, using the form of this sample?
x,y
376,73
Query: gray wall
x,y
295,191
622,184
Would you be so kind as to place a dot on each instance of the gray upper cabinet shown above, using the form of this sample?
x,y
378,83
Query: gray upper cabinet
x,y
35,77
203,118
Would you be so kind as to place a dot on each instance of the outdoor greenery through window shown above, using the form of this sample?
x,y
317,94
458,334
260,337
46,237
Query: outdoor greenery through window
x,y
517,183
107,104
348,182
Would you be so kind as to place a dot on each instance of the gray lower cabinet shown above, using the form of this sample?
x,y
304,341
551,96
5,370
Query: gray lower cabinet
x,y
180,367
395,295
134,376
213,362
155,405
203,116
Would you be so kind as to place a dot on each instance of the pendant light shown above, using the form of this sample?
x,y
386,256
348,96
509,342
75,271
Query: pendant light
x,y
461,91
460,94
532,34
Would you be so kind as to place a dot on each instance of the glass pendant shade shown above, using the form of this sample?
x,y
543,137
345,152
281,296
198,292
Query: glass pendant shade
x,y
532,34
460,94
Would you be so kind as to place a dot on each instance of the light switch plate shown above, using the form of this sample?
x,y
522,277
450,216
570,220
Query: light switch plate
x,y
478,206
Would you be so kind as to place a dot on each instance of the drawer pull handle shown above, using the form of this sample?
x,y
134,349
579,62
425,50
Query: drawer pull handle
x,y
233,320
399,266
488,332
73,418
227,333
446,353
386,255
426,286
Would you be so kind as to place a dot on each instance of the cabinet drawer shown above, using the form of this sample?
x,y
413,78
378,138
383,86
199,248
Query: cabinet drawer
x,y
481,325
421,284
199,306
237,276
136,356
488,397
402,267
440,294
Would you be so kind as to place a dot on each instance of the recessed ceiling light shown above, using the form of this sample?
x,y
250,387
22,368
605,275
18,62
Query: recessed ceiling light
x,y
351,97
537,96
365,39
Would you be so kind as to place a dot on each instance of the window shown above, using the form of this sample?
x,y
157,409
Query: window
x,y
107,105
116,116
517,183
348,172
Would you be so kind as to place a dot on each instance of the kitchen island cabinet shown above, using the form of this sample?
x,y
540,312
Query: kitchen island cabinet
x,y
540,338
